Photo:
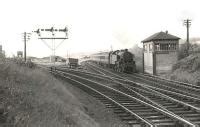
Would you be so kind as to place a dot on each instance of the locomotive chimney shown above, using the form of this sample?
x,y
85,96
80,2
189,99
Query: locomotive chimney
x,y
166,31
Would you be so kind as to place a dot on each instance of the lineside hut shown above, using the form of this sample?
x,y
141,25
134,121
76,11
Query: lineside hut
x,y
19,54
160,52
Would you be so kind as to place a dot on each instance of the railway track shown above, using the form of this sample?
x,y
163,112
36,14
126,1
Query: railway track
x,y
155,79
187,92
100,70
177,109
179,87
185,104
171,81
131,109
173,106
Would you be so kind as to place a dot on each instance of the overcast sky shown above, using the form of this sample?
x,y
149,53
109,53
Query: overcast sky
x,y
94,25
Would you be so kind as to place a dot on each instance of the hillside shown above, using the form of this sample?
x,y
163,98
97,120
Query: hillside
x,y
33,98
187,69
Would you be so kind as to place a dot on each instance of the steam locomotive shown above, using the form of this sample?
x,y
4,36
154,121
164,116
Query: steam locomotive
x,y
119,60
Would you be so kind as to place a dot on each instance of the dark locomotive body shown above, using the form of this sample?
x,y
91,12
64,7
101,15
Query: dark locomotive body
x,y
119,60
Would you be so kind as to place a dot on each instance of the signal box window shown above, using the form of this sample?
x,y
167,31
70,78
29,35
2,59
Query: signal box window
x,y
157,47
150,47
145,47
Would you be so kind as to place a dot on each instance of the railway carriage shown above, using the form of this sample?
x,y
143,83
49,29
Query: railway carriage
x,y
72,62
100,58
119,60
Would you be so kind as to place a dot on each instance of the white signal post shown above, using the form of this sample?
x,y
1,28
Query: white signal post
x,y
53,38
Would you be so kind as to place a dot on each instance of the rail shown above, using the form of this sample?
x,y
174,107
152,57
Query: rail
x,y
156,108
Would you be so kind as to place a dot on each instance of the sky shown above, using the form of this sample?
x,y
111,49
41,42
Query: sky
x,y
94,25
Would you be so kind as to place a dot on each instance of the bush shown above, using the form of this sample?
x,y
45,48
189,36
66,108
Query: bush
x,y
196,64
2,58
182,53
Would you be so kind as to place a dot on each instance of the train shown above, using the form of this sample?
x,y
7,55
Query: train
x,y
119,60
72,62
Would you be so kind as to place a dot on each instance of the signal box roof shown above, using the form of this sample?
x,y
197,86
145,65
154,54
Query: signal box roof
x,y
160,36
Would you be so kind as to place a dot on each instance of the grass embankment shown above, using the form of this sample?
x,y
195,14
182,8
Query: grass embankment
x,y
31,97
187,70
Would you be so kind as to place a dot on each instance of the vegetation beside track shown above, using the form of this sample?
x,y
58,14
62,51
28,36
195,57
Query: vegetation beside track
x,y
32,97
187,70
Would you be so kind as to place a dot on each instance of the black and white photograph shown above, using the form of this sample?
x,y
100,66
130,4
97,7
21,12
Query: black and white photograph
x,y
100,63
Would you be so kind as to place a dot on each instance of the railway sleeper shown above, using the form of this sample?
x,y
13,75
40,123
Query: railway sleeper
x,y
193,103
141,110
172,106
167,124
184,112
128,103
125,114
155,117
125,101
117,108
196,105
193,119
110,106
160,118
96,95
167,104
135,123
189,101
146,114
192,115
177,109
160,101
105,102
119,111
163,103
127,118
155,97
163,122
138,108
119,97
131,105
101,98
196,121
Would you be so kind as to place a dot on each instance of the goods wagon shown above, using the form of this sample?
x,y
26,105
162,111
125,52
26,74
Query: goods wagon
x,y
72,62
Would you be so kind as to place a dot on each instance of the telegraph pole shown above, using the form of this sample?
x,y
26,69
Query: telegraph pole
x,y
25,46
26,37
187,23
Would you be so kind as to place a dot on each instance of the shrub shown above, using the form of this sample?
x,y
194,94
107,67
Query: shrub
x,y
196,64
182,53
